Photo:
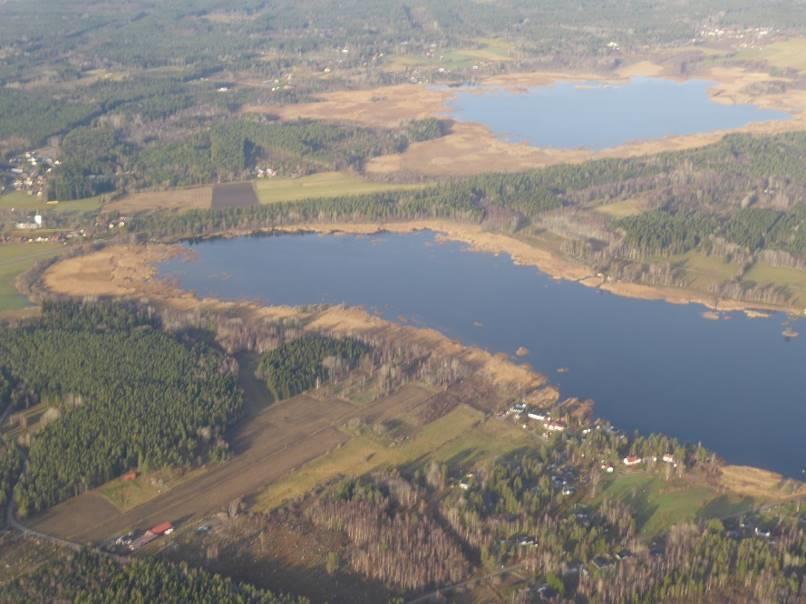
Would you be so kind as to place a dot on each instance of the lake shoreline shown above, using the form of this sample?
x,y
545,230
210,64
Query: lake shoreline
x,y
472,148
130,272
526,254
483,241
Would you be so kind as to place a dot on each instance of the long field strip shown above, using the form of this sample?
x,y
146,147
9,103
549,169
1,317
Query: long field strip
x,y
267,447
323,185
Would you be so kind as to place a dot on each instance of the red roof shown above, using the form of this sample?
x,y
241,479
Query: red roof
x,y
161,528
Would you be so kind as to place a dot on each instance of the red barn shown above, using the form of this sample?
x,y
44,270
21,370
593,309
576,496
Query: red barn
x,y
163,528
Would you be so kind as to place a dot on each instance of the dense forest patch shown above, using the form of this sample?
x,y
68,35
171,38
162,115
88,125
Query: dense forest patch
x,y
307,362
125,393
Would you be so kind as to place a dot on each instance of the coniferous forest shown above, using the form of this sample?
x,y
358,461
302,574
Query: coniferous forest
x,y
127,395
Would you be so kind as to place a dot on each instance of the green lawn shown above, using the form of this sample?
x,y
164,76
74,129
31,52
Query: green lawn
x,y
16,258
659,504
323,185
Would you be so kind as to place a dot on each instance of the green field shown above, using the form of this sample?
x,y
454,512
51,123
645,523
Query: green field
x,y
88,204
793,278
707,270
659,504
323,185
490,50
23,201
16,258
787,54
460,439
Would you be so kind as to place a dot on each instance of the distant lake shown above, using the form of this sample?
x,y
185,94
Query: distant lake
x,y
735,385
598,115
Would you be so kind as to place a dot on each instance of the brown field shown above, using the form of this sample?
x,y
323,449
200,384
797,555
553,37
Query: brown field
x,y
383,107
234,195
195,198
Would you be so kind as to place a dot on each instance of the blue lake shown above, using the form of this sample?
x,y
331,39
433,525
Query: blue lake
x,y
596,115
735,385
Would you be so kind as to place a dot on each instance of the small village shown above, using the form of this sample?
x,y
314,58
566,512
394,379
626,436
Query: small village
x,y
27,173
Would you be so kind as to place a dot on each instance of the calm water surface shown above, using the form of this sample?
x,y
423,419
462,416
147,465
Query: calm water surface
x,y
735,385
596,115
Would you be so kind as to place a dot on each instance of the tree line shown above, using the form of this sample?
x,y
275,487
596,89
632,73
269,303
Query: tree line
x,y
89,577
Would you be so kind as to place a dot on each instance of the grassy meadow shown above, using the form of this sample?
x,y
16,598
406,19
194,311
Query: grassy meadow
x,y
15,259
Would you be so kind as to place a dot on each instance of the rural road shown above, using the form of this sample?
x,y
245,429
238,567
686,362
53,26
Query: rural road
x,y
442,590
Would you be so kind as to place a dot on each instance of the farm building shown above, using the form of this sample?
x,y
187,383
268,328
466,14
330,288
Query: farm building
x,y
163,528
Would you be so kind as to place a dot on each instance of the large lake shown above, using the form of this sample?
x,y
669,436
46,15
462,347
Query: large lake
x,y
596,115
735,385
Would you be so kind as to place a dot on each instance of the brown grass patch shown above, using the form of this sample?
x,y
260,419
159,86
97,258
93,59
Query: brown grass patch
x,y
113,271
195,198
383,107
762,484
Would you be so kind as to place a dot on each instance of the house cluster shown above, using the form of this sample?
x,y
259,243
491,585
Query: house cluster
x,y
119,223
634,460
522,410
132,541
748,525
30,225
27,173
266,172
466,482
564,480
277,83
749,37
